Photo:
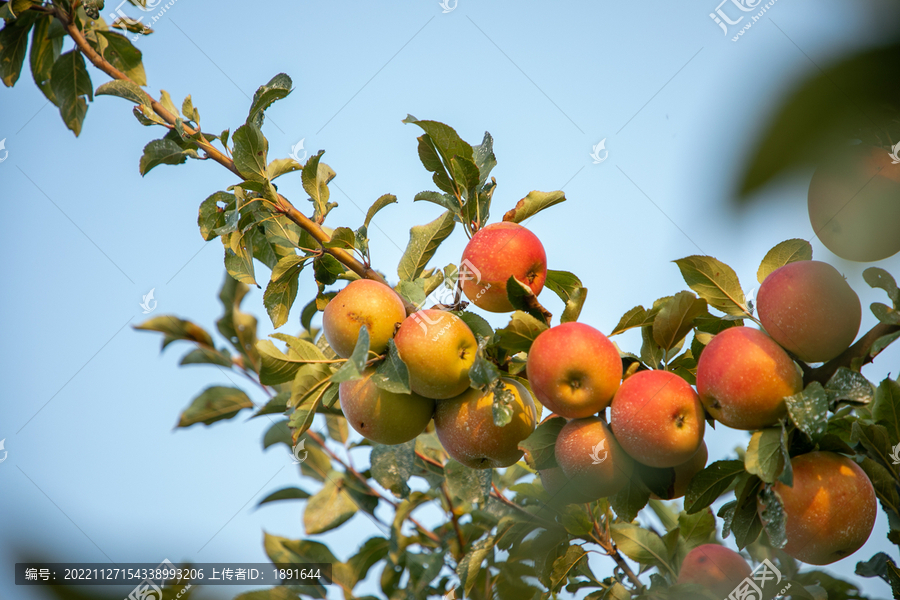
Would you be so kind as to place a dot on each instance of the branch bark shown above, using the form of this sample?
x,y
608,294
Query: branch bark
x,y
858,350
283,205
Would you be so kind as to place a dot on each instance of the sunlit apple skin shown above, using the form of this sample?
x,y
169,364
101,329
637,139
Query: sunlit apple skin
x,y
574,370
362,302
809,309
715,567
743,377
579,442
498,252
679,476
438,349
382,416
854,203
830,510
465,426
657,418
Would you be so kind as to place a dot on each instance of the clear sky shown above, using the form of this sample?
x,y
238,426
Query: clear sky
x,y
95,471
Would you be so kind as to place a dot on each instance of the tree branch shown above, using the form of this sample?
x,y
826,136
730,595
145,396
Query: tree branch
x,y
858,350
283,205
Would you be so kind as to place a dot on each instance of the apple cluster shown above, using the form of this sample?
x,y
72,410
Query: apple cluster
x,y
656,419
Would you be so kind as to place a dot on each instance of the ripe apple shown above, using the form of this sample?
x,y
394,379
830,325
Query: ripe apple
x,y
574,370
497,252
830,510
438,349
465,425
362,302
809,309
715,567
657,418
382,416
854,203
592,459
676,479
743,377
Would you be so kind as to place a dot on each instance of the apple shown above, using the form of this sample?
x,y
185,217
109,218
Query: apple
x,y
496,253
362,302
743,377
438,349
657,418
592,459
465,425
854,203
381,416
715,567
809,309
574,370
830,510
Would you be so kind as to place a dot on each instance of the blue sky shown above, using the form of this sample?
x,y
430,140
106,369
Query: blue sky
x,y
96,471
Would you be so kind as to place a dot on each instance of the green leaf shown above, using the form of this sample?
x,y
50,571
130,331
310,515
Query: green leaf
x,y
639,544
282,166
329,508
652,354
239,257
382,201
630,500
539,446
885,314
875,566
879,278
520,333
44,52
423,243
214,404
445,201
786,252
282,289
476,323
875,439
175,329
277,88
885,484
316,176
675,319
277,405
882,343
124,89
468,567
71,83
206,356
570,290
278,367
163,152
250,150
763,457
484,158
122,54
392,375
469,485
483,373
288,493
636,317
886,409
697,529
532,204
373,551
327,268
392,466
710,483
356,363
13,44
342,237
773,517
809,410
445,138
564,565
523,298
715,282
849,386
503,404
746,524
